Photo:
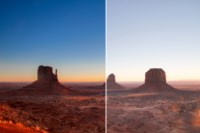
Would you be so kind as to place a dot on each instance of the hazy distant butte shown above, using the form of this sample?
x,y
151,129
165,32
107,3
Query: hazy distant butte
x,y
155,81
154,76
46,83
112,84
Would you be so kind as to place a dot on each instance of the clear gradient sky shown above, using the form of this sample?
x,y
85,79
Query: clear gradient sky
x,y
143,34
66,34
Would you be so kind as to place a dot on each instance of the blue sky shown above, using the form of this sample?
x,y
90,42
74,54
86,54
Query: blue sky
x,y
143,34
66,34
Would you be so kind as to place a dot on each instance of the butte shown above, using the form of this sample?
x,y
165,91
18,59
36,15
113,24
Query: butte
x,y
112,84
155,81
46,83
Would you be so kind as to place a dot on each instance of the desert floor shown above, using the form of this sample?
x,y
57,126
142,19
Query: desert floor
x,y
176,112
83,113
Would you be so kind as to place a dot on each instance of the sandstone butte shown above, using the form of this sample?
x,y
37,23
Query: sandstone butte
x,y
47,83
155,81
112,84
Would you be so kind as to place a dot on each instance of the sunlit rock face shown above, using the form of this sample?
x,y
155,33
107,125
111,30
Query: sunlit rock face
x,y
155,81
112,84
45,74
155,75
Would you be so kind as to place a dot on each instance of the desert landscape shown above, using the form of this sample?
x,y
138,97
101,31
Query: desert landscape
x,y
47,106
153,107
52,66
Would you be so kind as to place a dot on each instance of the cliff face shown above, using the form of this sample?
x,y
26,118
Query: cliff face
x,y
111,78
155,75
45,74
155,81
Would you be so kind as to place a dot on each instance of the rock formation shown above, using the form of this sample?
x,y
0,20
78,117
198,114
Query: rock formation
x,y
112,84
155,75
45,74
155,81
46,83
111,78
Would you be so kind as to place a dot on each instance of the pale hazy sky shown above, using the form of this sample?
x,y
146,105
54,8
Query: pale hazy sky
x,y
143,34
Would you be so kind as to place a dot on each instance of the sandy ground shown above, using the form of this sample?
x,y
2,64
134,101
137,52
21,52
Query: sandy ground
x,y
53,113
177,112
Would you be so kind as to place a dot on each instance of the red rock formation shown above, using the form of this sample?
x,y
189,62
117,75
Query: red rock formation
x,y
45,74
111,78
112,84
155,81
155,75
47,83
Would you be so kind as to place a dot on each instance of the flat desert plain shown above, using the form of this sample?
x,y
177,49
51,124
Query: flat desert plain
x,y
81,112
154,112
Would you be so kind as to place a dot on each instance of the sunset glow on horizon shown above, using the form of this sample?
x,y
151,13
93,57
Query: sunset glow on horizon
x,y
28,73
75,79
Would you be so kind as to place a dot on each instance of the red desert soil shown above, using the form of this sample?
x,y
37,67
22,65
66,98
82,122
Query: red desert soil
x,y
55,114
13,128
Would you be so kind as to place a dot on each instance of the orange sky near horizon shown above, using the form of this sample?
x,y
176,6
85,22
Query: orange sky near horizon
x,y
66,73
92,78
